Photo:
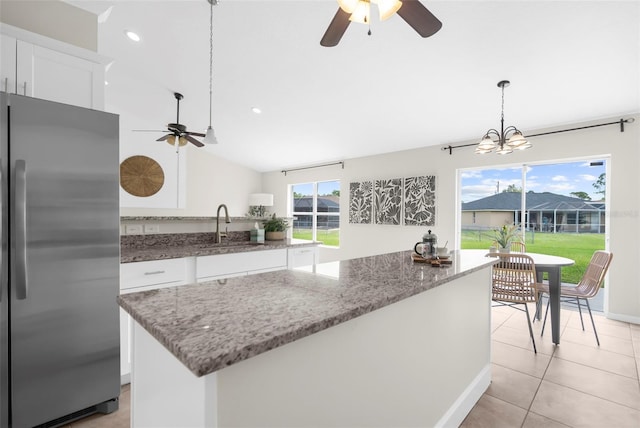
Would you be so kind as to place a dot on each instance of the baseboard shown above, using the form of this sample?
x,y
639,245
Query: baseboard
x,y
622,317
125,379
465,402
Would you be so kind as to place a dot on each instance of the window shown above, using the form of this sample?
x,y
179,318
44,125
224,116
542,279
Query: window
x,y
316,211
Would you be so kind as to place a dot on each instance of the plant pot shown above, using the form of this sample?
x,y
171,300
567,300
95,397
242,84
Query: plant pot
x,y
275,236
504,249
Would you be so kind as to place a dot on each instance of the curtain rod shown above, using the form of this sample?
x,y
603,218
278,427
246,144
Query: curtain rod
x,y
284,171
620,122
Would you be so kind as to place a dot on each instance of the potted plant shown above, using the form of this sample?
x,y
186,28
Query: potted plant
x,y
504,236
275,228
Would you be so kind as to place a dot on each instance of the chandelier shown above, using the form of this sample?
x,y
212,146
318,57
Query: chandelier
x,y
505,141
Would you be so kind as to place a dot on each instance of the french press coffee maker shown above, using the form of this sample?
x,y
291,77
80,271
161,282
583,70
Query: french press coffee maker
x,y
429,246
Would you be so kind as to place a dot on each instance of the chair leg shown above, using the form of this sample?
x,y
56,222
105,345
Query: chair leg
x,y
592,323
546,312
580,311
526,309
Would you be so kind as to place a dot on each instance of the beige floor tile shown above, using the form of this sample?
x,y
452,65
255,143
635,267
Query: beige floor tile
x,y
520,337
608,343
512,386
519,359
597,358
606,385
604,327
534,420
575,408
494,413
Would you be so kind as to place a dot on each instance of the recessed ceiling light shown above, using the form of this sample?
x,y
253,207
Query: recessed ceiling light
x,y
256,110
133,36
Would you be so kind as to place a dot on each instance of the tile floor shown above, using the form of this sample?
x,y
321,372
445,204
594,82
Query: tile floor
x,y
576,384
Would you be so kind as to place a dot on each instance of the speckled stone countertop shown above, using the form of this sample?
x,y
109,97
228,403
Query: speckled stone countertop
x,y
139,248
212,325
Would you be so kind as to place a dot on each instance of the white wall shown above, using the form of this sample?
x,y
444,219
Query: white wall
x,y
623,208
210,181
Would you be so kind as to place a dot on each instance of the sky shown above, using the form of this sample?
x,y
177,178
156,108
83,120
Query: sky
x,y
561,179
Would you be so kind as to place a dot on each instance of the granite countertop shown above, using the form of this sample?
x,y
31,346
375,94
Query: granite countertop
x,y
166,247
212,325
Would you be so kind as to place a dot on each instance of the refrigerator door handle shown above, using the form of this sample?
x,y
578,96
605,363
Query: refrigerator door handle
x,y
21,229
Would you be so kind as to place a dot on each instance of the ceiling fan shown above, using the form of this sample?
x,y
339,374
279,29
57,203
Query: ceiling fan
x,y
412,11
179,131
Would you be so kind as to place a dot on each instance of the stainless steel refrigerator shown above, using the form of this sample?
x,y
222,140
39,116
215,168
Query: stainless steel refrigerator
x,y
59,318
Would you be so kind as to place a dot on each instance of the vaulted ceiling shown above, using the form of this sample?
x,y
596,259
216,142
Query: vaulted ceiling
x,y
568,61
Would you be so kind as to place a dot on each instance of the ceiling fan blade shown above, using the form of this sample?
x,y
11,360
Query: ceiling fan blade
x,y
336,29
419,18
197,134
193,140
164,137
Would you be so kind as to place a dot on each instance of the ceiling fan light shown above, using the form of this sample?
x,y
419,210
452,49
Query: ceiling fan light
x,y
210,136
361,13
182,141
348,5
171,139
487,143
387,8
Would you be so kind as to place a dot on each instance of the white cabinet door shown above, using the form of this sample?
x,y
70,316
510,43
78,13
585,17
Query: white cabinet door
x,y
305,256
7,63
47,74
143,276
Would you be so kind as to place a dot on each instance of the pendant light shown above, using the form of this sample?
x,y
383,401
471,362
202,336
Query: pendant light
x,y
505,141
210,136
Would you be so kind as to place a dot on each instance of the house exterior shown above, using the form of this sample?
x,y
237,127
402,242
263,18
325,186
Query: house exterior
x,y
544,212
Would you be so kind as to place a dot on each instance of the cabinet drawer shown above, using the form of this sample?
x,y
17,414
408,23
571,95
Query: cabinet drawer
x,y
155,272
302,256
230,264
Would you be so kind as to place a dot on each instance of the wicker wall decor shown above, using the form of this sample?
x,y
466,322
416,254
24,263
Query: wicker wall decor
x,y
141,176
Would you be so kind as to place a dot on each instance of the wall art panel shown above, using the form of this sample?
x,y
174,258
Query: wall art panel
x,y
361,202
420,201
387,201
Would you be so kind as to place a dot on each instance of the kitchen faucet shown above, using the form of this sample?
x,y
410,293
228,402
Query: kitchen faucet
x,y
219,234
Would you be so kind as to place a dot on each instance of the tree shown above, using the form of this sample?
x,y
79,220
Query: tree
x,y
582,195
512,188
601,184
336,192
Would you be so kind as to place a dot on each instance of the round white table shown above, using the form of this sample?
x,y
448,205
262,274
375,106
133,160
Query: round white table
x,y
552,265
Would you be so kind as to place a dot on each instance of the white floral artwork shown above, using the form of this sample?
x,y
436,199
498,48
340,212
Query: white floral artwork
x,y
387,201
360,202
420,201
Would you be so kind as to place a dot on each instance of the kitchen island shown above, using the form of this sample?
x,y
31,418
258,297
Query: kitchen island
x,y
375,341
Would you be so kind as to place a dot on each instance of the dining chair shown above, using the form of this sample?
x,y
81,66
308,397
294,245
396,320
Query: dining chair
x,y
514,283
518,247
586,289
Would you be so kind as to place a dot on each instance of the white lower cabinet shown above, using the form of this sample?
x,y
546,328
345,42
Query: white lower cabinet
x,y
142,276
305,256
238,264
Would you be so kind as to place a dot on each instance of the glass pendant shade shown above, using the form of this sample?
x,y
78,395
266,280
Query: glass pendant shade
x,y
504,150
361,13
171,139
487,143
480,151
525,145
517,140
387,8
210,136
348,5
182,141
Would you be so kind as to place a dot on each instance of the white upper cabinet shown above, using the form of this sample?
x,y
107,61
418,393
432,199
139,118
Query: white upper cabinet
x,y
40,67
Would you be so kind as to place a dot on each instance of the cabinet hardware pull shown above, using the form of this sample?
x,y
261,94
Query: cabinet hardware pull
x,y
155,272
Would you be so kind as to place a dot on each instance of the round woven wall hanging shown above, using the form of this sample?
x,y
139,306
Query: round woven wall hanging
x,y
141,176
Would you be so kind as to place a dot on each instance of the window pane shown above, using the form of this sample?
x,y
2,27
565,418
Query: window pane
x,y
302,225
303,197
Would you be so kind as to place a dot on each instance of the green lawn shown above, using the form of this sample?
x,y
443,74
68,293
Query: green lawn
x,y
328,237
579,247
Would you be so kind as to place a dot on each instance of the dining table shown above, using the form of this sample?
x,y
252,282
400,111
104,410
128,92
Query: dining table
x,y
552,266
